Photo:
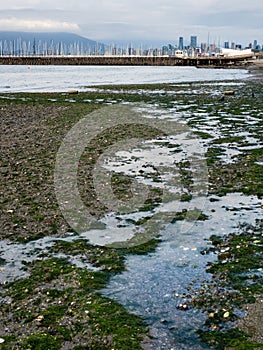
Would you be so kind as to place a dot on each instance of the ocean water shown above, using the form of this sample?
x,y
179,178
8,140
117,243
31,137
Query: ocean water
x,y
63,78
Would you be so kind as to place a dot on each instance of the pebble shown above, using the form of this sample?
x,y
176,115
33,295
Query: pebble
x,y
164,320
183,307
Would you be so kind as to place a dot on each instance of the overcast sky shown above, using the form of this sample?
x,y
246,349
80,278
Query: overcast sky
x,y
154,21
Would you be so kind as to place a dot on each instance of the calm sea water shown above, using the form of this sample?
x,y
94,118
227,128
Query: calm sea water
x,y
63,78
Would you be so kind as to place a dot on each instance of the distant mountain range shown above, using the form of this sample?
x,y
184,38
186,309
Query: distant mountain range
x,y
47,43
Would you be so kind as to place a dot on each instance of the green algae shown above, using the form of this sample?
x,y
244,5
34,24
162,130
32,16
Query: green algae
x,y
42,342
231,339
190,215
243,176
58,301
236,281
107,259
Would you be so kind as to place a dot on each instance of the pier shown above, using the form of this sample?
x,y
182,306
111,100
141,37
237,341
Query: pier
x,y
210,62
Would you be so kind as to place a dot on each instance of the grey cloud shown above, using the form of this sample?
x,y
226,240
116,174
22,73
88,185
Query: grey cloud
x,y
151,20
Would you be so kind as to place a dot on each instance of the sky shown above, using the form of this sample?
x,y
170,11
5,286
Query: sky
x,y
139,21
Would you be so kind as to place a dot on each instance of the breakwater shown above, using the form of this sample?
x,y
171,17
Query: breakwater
x,y
217,62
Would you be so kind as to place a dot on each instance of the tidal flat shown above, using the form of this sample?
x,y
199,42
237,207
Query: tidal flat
x,y
51,284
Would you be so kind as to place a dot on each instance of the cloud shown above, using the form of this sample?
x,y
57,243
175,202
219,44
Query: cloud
x,y
151,20
233,19
18,4
15,23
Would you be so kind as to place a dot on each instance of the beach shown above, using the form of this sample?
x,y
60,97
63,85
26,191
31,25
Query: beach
x,y
57,302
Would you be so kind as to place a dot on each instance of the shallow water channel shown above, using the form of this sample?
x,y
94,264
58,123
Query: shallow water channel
x,y
154,285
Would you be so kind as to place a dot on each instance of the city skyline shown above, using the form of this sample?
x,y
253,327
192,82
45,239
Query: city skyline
x,y
43,44
15,41
152,22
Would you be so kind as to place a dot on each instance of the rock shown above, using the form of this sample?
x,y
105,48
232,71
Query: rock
x,y
73,92
229,92
223,256
2,340
164,320
38,320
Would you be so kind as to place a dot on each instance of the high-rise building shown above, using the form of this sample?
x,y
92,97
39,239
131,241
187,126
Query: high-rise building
x,y
212,47
181,43
226,45
203,47
193,42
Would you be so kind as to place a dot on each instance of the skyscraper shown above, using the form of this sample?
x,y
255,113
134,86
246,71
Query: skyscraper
x,y
181,43
193,42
